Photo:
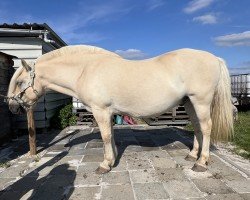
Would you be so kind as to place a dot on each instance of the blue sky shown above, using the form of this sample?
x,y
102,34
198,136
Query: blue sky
x,y
145,28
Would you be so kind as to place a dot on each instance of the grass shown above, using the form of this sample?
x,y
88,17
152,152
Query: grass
x,y
241,139
242,134
4,164
37,159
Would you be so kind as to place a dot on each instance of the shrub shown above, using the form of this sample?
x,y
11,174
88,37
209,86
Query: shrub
x,y
64,117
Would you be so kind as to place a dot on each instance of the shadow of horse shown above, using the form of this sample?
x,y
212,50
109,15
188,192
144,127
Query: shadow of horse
x,y
58,184
141,140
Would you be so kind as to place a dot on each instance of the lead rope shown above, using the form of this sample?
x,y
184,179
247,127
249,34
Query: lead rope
x,y
5,98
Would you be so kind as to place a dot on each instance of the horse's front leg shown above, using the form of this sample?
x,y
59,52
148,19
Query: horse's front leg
x,y
104,121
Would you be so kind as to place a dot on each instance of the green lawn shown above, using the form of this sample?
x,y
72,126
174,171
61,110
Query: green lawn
x,y
242,134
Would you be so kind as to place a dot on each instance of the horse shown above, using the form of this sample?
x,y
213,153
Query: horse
x,y
108,84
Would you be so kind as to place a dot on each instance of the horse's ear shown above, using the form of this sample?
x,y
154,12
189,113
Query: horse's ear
x,y
26,65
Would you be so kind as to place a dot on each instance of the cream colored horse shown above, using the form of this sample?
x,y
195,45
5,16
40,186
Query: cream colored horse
x,y
107,84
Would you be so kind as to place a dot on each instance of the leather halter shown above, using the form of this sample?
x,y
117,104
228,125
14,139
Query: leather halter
x,y
18,96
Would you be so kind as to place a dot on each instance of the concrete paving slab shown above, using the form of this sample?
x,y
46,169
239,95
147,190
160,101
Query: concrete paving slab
x,y
114,192
144,176
180,160
169,174
245,196
219,167
150,191
114,178
178,152
85,193
224,197
163,163
137,163
87,179
182,189
158,154
70,160
14,171
151,165
120,166
194,175
87,167
93,158
5,182
240,186
92,145
212,186
12,195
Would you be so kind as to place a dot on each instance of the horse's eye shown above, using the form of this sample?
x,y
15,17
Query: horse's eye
x,y
19,84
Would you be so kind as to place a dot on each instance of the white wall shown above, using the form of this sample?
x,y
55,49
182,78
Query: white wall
x,y
30,49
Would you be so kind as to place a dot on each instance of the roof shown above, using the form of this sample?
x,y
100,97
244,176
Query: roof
x,y
31,27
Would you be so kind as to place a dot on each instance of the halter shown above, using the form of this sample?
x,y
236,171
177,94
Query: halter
x,y
18,96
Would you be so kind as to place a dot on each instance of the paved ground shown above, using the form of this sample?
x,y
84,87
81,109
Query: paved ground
x,y
151,165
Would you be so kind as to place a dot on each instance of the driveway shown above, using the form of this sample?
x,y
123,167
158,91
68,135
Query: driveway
x,y
150,165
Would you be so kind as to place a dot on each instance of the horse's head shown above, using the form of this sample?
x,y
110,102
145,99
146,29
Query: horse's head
x,y
24,89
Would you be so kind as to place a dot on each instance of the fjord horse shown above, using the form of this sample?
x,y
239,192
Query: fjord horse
x,y
107,84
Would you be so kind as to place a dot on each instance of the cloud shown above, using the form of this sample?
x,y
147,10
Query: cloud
x,y
236,39
132,54
196,5
206,19
241,68
153,4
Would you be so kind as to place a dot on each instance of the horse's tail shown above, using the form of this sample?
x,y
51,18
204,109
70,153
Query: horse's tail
x,y
222,114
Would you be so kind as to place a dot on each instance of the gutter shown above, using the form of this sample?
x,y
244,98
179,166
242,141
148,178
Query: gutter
x,y
42,34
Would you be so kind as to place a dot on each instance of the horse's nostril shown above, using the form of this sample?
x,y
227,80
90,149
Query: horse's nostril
x,y
14,107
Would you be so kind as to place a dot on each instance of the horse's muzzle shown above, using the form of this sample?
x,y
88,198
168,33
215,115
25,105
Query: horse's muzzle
x,y
15,107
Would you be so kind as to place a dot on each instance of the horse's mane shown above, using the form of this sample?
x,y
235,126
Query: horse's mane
x,y
75,49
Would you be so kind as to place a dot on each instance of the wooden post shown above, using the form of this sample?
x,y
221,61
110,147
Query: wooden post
x,y
174,113
32,132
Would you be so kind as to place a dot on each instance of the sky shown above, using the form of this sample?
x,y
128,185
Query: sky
x,y
139,29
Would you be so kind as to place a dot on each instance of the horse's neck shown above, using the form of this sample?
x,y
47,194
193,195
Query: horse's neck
x,y
60,78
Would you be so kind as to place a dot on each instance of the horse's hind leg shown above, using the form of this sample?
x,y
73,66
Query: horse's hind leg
x,y
205,124
104,121
193,155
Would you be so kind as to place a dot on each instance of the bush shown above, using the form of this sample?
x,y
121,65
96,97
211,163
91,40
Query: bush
x,y
72,120
64,117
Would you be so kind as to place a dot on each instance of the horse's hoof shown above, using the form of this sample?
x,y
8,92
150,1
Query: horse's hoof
x,y
190,158
101,170
199,168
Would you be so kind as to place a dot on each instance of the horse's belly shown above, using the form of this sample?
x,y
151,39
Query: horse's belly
x,y
148,105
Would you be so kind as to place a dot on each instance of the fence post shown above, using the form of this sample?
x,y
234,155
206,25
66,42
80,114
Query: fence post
x,y
32,131
174,113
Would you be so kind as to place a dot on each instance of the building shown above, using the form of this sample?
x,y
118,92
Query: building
x,y
29,41
6,71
